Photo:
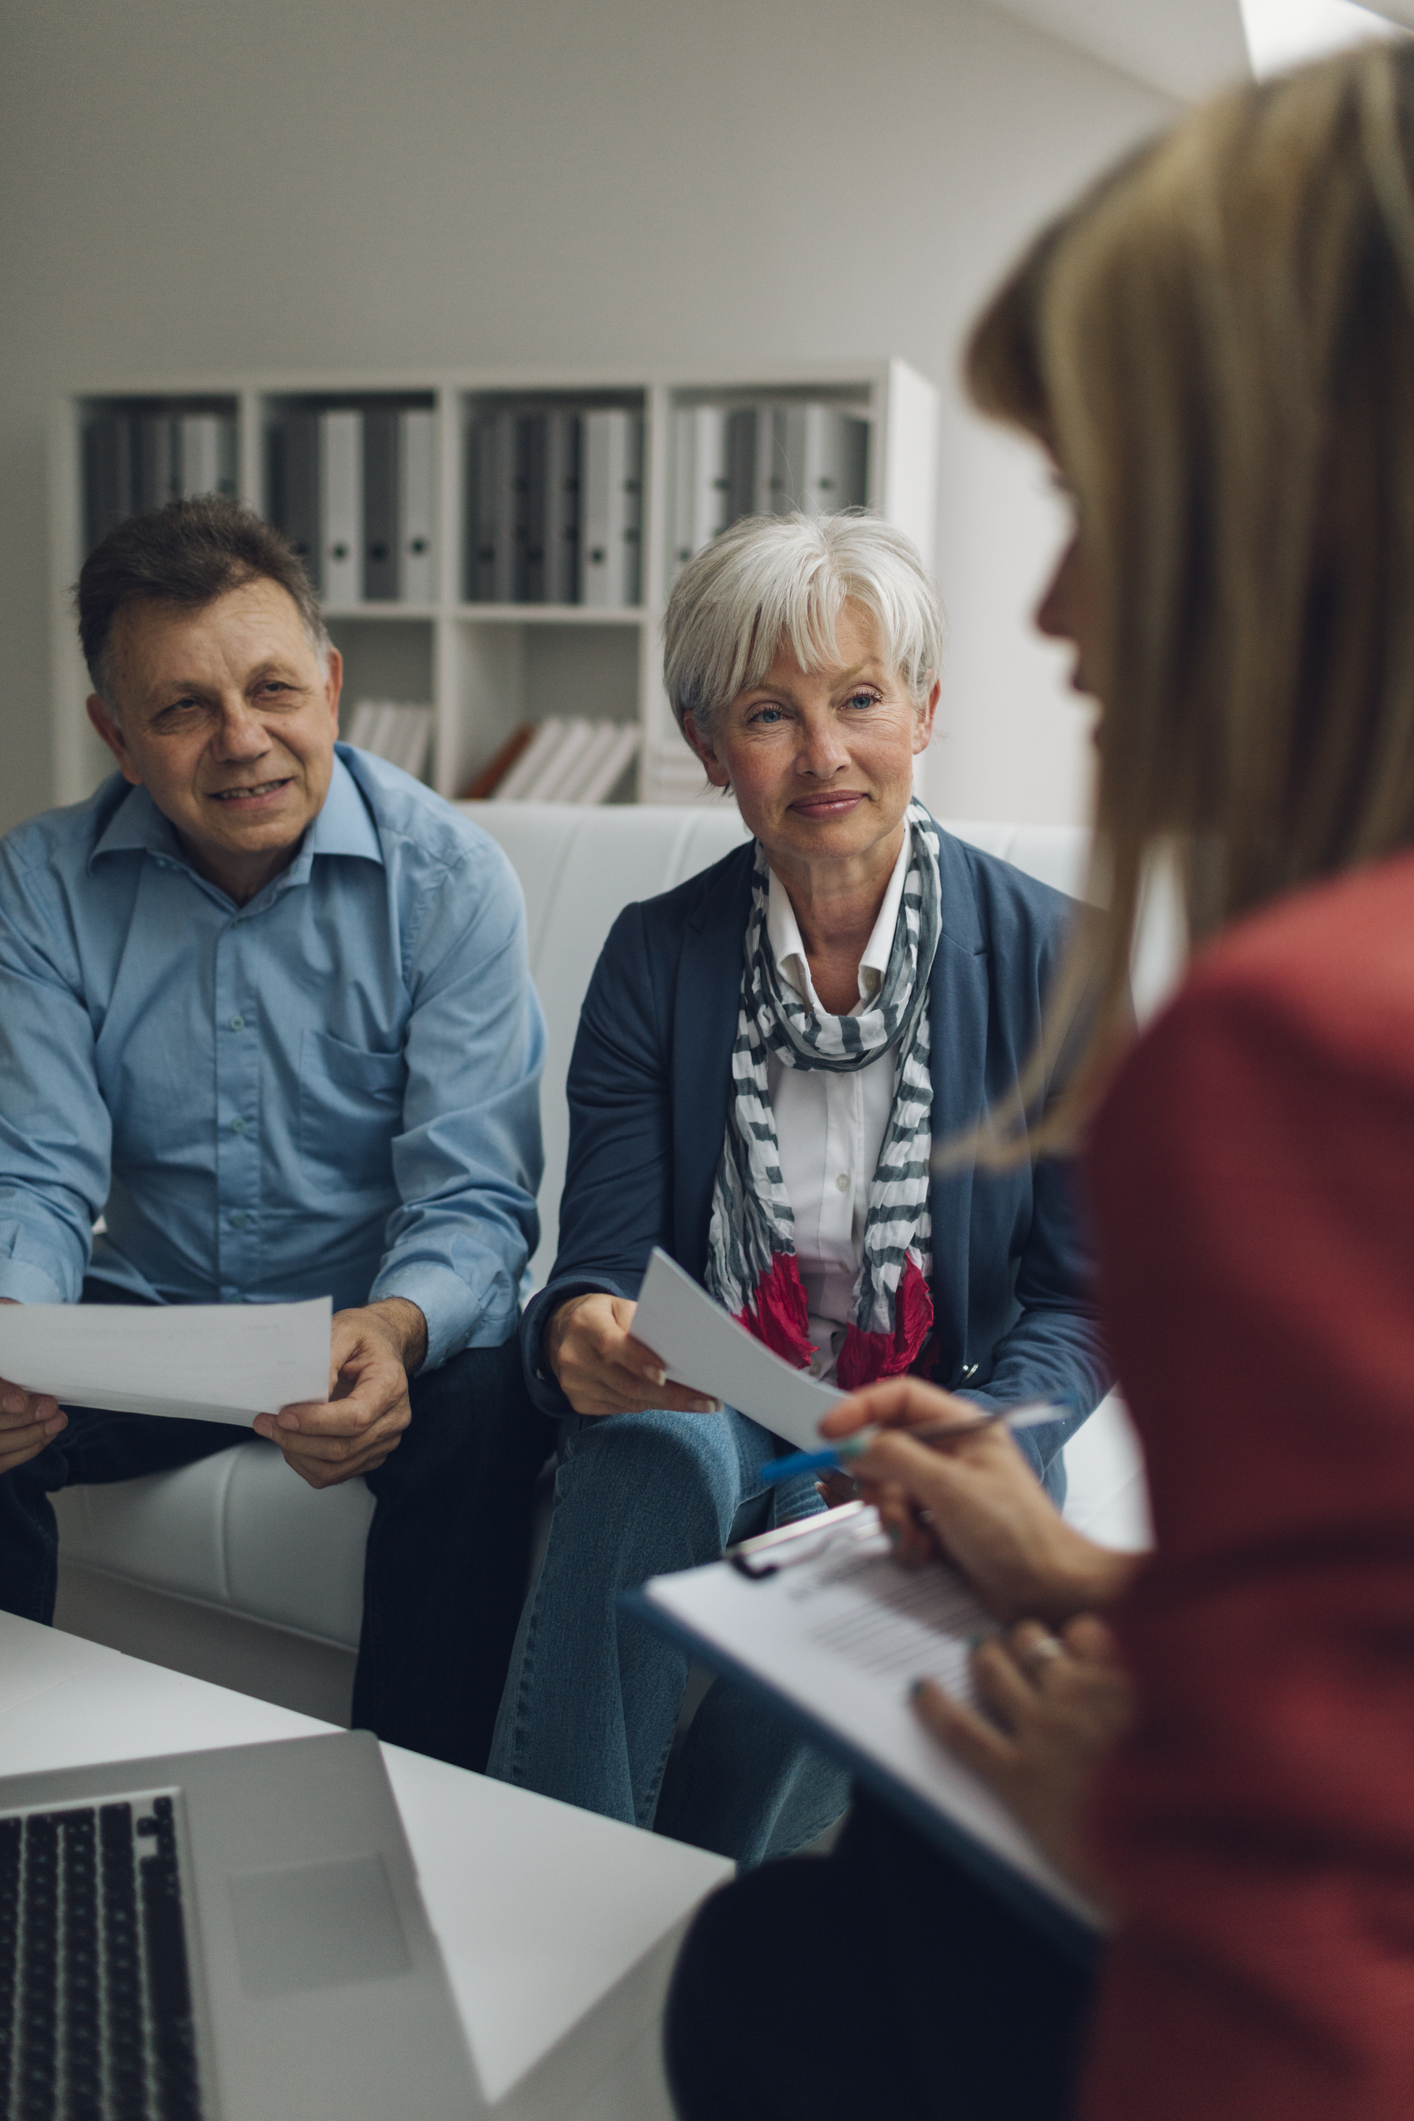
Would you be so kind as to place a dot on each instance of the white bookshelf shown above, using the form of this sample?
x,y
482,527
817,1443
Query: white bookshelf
x,y
487,668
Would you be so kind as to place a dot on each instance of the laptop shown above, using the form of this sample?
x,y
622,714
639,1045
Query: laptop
x,y
221,1936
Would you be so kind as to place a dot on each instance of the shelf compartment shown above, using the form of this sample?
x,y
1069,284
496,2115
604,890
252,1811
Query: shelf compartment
x,y
383,660
505,675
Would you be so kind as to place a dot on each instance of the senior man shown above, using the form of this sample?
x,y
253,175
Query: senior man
x,y
265,1006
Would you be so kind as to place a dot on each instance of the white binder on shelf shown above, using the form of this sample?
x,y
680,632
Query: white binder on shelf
x,y
826,458
157,480
701,479
611,498
417,503
341,505
206,453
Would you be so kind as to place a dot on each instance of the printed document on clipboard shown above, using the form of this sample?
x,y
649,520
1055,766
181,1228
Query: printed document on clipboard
x,y
822,1619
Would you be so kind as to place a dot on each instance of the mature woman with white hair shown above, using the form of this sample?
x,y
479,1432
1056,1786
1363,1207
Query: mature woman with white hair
x,y
764,1057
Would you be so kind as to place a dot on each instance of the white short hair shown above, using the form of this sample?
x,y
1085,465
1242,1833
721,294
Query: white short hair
x,y
776,580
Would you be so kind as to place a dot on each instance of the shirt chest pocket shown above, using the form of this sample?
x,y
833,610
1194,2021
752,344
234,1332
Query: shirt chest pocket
x,y
350,1109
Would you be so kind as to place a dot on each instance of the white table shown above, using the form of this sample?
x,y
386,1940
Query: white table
x,y
559,1929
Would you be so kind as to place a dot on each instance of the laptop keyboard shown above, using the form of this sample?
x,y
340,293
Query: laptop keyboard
x,y
96,2018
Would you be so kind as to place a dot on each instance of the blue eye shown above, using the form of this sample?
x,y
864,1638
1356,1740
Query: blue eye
x,y
862,699
764,714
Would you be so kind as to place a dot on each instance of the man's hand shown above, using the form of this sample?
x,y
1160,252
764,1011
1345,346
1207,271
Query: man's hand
x,y
978,1503
602,1369
1055,1706
28,1421
371,1352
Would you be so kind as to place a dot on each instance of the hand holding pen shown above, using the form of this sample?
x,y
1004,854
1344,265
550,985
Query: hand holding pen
x,y
949,1431
974,1498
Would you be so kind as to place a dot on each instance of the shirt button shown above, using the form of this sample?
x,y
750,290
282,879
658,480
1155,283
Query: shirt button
x,y
238,1126
238,1023
239,1219
842,1182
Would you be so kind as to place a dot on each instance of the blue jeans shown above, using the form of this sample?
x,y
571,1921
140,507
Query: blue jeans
x,y
592,1701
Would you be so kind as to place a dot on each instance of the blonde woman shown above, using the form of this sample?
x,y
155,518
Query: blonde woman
x,y
1217,348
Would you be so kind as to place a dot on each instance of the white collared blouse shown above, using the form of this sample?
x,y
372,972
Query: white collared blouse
x,y
830,1127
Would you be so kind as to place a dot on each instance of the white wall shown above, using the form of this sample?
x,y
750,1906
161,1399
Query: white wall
x,y
337,183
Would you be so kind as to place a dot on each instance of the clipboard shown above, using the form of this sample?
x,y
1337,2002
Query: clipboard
x,y
747,1617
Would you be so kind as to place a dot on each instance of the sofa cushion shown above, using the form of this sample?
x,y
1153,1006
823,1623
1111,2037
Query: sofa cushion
x,y
579,868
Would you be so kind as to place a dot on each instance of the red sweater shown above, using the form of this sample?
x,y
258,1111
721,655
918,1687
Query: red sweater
x,y
1253,1183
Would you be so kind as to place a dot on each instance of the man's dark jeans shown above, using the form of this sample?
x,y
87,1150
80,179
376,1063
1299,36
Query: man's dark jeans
x,y
448,1549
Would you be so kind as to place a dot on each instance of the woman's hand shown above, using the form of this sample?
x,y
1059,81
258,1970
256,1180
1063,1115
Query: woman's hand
x,y
1055,1706
602,1369
976,1502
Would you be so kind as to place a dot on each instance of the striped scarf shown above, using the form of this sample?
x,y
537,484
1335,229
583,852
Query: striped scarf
x,y
751,1259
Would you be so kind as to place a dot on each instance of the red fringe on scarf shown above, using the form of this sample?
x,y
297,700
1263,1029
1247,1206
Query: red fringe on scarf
x,y
866,1357
778,1312
778,1315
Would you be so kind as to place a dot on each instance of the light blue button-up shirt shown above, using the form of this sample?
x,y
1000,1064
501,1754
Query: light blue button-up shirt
x,y
333,1089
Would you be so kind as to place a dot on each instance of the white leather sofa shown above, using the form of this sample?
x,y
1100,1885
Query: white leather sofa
x,y
233,1568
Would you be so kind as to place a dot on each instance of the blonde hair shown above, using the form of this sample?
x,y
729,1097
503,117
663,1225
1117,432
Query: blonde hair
x,y
1217,345
770,580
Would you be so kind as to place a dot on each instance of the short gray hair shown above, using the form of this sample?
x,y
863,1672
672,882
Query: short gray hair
x,y
773,580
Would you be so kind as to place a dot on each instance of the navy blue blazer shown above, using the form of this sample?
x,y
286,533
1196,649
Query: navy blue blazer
x,y
648,1089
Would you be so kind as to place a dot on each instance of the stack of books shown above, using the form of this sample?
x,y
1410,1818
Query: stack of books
x,y
554,507
769,459
392,730
564,759
355,493
136,460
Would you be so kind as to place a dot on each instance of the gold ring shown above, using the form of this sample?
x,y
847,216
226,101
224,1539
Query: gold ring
x,y
1043,1652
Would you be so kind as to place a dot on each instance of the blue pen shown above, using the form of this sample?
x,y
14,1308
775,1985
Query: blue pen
x,y
850,1447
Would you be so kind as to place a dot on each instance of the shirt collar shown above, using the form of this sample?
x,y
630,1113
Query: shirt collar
x,y
788,947
343,826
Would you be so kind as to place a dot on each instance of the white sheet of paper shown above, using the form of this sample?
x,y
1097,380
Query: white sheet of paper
x,y
842,1631
207,1362
700,1346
